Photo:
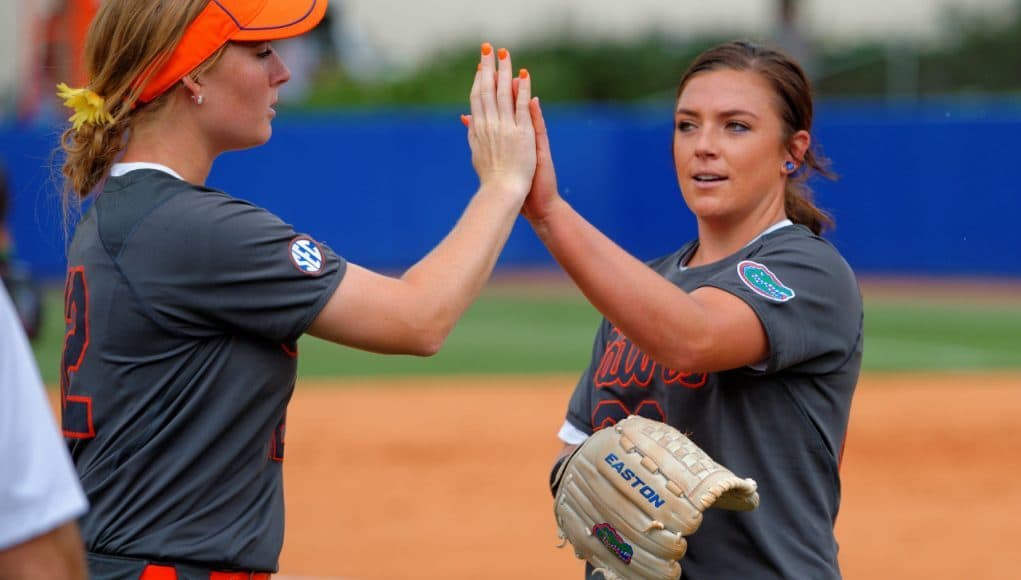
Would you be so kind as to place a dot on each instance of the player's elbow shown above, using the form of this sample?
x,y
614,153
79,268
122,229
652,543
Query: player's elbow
x,y
426,333
708,355
688,356
427,344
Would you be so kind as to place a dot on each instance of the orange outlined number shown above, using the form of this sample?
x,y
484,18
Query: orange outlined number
x,y
276,442
76,415
609,413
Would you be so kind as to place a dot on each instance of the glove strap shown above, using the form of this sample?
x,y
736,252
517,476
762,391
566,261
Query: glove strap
x,y
558,471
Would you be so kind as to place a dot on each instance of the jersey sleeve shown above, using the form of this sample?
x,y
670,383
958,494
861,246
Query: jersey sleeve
x,y
39,490
225,263
807,299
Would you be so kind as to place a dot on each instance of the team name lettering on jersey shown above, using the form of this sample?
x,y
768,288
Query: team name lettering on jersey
x,y
625,365
627,475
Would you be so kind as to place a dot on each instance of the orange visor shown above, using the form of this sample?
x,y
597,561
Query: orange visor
x,y
225,20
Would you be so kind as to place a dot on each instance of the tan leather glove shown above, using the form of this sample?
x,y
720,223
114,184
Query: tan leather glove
x,y
630,493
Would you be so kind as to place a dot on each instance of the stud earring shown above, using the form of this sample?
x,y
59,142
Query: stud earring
x,y
789,166
198,99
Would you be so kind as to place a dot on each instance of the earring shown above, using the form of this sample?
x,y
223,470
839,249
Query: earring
x,y
789,166
198,99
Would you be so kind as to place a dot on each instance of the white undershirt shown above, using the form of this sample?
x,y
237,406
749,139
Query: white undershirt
x,y
780,224
39,489
119,169
571,435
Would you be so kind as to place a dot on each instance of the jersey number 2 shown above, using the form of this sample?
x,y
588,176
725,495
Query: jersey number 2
x,y
76,415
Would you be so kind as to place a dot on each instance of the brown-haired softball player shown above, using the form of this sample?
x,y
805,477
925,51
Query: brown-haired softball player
x,y
184,303
749,338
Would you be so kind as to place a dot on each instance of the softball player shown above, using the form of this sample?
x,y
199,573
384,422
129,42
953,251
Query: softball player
x,y
184,304
40,496
749,338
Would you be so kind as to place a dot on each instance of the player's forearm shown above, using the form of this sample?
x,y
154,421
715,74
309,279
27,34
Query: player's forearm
x,y
656,315
451,276
58,554
416,313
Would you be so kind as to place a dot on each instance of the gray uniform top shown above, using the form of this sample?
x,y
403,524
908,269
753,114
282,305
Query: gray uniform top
x,y
781,423
183,307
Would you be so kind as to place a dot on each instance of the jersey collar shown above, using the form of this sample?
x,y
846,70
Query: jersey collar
x,y
119,169
780,224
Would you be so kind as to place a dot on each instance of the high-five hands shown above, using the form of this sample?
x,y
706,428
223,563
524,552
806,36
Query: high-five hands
x,y
500,130
544,184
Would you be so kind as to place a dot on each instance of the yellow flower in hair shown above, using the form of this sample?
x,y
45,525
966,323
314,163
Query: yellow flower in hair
x,y
87,106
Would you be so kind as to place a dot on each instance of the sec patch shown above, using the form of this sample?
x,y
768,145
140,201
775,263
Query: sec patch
x,y
306,255
763,282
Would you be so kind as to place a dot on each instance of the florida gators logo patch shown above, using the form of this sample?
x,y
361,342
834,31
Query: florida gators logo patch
x,y
306,255
612,540
763,282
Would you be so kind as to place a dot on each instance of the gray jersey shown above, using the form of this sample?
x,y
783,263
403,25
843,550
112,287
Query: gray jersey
x,y
184,306
781,423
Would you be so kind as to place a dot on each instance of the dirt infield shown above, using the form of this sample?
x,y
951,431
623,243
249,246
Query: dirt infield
x,y
447,479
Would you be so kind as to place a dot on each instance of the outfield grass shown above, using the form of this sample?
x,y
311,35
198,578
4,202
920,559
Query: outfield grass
x,y
534,332
500,333
942,334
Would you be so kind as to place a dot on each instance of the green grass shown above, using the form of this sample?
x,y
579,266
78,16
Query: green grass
x,y
931,334
500,333
534,332
50,343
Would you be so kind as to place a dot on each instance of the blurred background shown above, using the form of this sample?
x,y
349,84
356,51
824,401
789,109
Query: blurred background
x,y
918,107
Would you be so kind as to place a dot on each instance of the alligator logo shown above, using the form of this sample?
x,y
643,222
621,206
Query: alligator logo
x,y
763,282
612,540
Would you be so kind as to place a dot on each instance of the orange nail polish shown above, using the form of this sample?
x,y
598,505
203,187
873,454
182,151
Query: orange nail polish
x,y
465,120
502,53
479,67
486,48
523,73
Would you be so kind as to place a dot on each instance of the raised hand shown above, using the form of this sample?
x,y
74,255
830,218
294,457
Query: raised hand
x,y
500,128
544,182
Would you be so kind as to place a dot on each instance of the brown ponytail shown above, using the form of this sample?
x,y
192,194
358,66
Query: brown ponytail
x,y
798,200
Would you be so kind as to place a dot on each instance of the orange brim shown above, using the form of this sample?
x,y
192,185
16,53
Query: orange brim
x,y
225,20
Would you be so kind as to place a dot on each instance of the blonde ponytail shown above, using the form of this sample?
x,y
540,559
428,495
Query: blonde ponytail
x,y
126,42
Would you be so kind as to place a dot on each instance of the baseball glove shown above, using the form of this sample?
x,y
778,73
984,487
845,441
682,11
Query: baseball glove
x,y
630,493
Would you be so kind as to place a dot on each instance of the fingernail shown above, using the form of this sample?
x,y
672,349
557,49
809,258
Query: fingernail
x,y
523,73
464,120
486,48
479,67
502,53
